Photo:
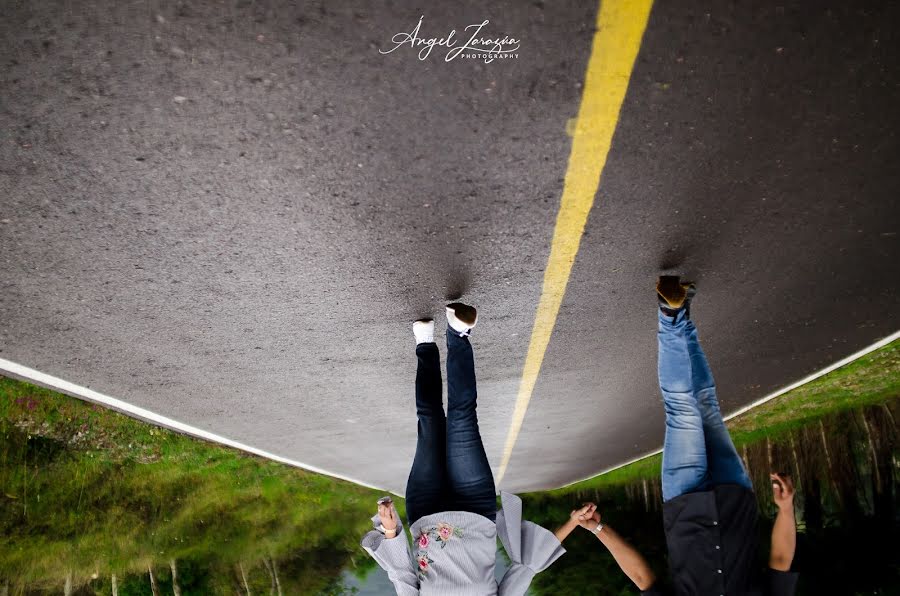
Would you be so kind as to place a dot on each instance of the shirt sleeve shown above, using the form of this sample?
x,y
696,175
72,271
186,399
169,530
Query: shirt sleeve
x,y
654,590
393,555
530,547
782,583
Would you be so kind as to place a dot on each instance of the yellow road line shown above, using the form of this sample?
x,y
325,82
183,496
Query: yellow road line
x,y
620,27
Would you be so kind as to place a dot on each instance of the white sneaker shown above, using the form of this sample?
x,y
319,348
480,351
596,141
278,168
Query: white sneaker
x,y
461,317
424,331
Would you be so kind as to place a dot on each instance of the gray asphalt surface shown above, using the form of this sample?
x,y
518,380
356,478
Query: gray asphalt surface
x,y
230,213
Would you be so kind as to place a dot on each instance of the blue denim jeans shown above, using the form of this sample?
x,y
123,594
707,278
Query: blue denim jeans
x,y
450,471
698,453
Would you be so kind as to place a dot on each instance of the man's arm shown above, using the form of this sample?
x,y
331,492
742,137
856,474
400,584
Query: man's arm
x,y
784,532
628,558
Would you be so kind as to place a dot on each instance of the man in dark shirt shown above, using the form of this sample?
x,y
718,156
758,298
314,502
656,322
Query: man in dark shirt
x,y
709,509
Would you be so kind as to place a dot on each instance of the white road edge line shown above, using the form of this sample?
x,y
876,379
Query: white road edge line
x,y
878,344
13,369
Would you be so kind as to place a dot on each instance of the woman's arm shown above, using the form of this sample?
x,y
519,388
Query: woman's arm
x,y
628,558
391,550
531,548
564,530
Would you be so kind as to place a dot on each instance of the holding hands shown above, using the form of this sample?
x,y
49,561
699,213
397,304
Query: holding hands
x,y
587,517
578,517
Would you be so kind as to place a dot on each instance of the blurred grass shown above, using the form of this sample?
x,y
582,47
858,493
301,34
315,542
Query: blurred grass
x,y
84,488
872,379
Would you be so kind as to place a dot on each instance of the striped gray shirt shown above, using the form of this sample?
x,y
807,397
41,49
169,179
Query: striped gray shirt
x,y
454,552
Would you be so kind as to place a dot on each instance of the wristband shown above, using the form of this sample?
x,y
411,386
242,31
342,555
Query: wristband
x,y
599,527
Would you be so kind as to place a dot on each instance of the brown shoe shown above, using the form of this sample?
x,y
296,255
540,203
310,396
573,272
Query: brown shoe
x,y
674,296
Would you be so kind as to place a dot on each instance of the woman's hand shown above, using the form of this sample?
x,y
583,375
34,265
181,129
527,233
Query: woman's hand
x,y
388,516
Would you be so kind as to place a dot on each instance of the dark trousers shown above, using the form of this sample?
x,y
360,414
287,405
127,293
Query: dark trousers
x,y
450,471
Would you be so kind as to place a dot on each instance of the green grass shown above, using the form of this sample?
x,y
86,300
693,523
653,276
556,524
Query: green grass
x,y
86,489
872,379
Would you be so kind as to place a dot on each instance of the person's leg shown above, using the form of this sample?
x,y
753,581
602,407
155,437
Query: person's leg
x,y
426,487
468,470
684,467
724,463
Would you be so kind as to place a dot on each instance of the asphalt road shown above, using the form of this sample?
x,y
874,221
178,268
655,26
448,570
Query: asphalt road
x,y
230,213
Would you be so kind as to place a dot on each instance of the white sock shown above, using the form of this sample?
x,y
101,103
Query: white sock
x,y
424,332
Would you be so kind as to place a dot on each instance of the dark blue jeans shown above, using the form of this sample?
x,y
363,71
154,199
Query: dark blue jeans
x,y
450,471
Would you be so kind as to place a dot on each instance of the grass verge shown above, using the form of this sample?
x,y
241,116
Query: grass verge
x,y
88,491
871,379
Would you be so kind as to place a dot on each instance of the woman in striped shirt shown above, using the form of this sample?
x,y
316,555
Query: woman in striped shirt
x,y
451,500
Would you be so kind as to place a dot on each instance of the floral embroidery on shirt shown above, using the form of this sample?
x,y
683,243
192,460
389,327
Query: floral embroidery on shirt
x,y
445,532
424,561
441,533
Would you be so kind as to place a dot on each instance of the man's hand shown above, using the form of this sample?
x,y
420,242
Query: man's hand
x,y
782,490
784,531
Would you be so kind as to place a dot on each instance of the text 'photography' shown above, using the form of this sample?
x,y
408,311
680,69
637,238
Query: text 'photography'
x,y
520,298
